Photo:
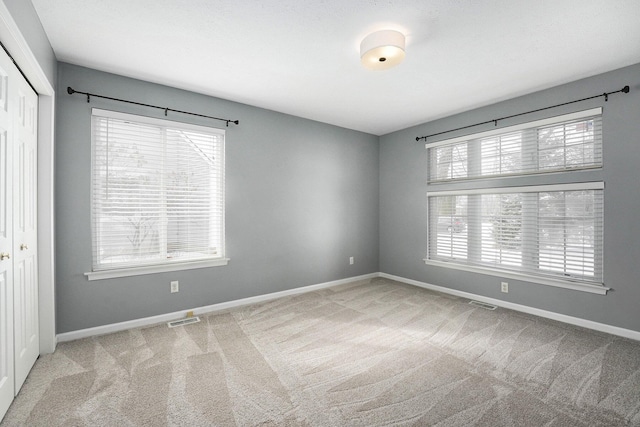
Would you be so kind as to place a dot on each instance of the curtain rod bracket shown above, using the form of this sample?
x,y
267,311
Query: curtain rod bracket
x,y
495,121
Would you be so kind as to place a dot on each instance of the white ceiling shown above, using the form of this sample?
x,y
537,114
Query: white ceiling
x,y
301,57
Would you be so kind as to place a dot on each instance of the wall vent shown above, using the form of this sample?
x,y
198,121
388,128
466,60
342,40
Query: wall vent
x,y
183,322
483,305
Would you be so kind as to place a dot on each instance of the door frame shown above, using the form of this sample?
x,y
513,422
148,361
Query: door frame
x,y
15,42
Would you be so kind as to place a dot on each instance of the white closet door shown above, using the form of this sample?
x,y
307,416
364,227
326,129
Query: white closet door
x,y
8,90
25,277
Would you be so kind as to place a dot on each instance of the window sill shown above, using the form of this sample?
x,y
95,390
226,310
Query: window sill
x,y
566,284
151,269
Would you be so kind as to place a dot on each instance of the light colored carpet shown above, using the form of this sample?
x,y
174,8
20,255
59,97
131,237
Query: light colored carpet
x,y
368,353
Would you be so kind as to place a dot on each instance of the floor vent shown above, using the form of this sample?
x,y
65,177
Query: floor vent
x,y
483,305
183,322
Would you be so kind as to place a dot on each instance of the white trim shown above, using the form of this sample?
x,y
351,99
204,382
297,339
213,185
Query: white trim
x,y
154,121
17,45
151,269
559,283
489,178
46,225
122,326
576,186
589,324
538,123
15,42
117,327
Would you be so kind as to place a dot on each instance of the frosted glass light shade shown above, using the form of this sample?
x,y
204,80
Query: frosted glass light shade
x,y
382,50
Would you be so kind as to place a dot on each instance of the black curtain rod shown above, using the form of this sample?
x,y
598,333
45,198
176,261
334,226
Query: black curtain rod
x,y
495,121
71,91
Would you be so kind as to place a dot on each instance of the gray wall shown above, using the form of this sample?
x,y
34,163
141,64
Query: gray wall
x,y
302,197
26,18
403,219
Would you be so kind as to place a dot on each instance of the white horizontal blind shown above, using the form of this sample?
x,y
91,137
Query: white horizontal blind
x,y
545,146
157,191
545,233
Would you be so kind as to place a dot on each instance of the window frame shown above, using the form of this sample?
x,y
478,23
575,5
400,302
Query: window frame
x,y
569,283
543,180
178,265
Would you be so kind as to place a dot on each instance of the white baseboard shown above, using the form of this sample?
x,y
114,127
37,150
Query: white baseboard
x,y
614,330
146,321
117,327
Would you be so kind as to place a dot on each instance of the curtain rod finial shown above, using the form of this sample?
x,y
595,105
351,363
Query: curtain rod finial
x,y
70,91
625,89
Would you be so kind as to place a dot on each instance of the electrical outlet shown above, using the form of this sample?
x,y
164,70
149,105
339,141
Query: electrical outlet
x,y
504,287
175,286
189,313
350,260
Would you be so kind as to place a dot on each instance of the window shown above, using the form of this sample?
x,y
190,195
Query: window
x,y
569,142
550,233
157,195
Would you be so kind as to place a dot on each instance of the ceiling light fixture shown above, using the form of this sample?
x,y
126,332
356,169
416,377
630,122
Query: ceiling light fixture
x,y
382,49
